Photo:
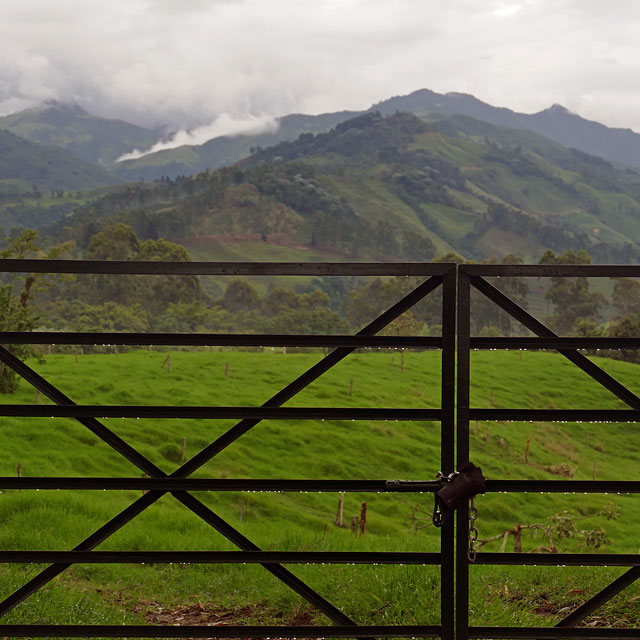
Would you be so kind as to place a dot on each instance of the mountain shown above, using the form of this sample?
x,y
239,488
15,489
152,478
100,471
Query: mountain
x,y
103,141
556,123
224,150
88,137
46,167
388,188
40,184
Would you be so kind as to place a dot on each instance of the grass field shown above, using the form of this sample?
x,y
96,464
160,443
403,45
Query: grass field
x,y
311,449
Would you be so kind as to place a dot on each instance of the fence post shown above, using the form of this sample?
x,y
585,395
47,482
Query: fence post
x,y
340,514
363,518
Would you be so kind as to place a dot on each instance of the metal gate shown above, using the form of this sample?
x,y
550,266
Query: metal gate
x,y
474,276
182,487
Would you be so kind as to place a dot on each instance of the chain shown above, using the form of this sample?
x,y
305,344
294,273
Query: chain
x,y
473,532
449,478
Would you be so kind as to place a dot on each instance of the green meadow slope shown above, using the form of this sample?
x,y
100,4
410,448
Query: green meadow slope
x,y
314,449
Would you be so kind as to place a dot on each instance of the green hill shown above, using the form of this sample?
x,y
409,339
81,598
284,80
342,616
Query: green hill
x,y
27,164
389,188
40,184
224,150
88,137
305,521
555,123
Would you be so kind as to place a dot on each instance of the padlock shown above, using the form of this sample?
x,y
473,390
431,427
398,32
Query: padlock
x,y
468,483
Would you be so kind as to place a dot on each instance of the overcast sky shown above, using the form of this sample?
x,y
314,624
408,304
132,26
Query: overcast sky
x,y
186,63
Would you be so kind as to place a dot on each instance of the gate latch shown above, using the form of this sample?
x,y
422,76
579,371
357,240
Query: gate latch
x,y
457,488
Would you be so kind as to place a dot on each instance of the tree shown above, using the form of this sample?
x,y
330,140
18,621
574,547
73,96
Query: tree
x,y
571,297
627,327
285,311
240,296
364,304
486,316
626,296
117,242
157,292
16,297
152,292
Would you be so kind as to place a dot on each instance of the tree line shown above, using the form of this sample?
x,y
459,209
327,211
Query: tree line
x,y
324,305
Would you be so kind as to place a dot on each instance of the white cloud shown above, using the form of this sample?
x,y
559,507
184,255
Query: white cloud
x,y
507,10
184,63
223,125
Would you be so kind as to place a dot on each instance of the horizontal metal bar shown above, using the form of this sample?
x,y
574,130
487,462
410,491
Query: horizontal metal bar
x,y
555,343
215,484
563,486
557,415
216,413
552,270
215,631
228,268
218,339
577,358
561,559
219,557
548,633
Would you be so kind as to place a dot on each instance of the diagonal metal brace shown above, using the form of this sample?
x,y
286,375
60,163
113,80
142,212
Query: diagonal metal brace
x,y
140,505
540,329
195,505
96,427
594,603
308,377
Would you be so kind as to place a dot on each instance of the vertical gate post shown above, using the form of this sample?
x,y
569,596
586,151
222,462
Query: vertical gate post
x,y
447,447
462,445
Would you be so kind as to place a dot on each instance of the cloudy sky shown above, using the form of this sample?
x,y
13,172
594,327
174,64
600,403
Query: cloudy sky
x,y
218,64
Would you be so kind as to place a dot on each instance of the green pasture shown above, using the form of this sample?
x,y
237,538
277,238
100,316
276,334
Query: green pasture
x,y
313,449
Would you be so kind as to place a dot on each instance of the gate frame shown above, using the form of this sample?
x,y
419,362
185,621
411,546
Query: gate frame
x,y
180,486
472,275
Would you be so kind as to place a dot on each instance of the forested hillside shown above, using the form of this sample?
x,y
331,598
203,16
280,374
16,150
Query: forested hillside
x,y
373,188
393,187
555,123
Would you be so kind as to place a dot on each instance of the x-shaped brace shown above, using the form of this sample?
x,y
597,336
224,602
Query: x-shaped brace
x,y
607,381
187,499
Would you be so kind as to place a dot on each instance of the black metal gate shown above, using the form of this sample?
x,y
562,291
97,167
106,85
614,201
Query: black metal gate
x,y
474,276
182,488
451,278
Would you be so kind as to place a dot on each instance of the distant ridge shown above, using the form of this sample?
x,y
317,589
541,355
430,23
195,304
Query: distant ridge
x,y
69,126
47,167
102,140
556,122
